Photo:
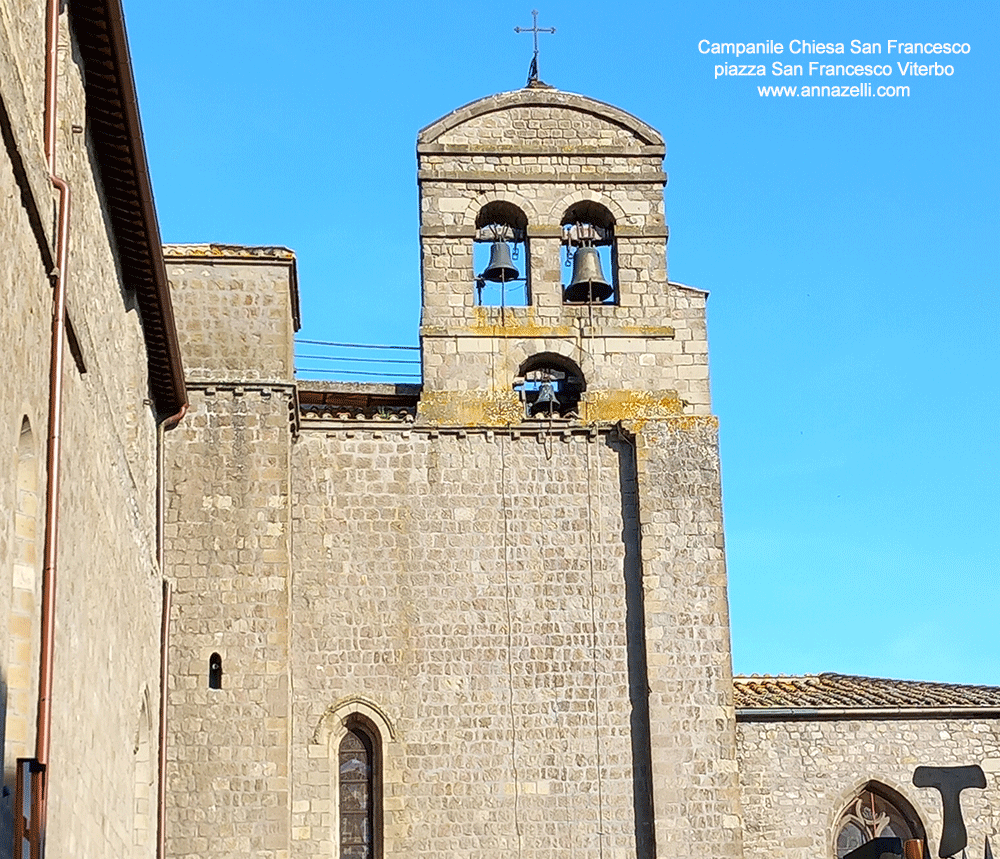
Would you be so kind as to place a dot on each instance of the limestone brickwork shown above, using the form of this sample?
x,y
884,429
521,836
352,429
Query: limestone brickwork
x,y
228,549
108,597
797,776
543,151
527,615
530,616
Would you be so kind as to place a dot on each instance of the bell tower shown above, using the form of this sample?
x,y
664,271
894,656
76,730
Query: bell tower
x,y
548,312
544,261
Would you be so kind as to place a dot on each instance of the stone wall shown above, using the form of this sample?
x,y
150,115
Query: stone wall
x,y
228,540
106,678
234,311
472,588
797,777
692,723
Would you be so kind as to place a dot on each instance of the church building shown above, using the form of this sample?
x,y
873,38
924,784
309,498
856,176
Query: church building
x,y
484,616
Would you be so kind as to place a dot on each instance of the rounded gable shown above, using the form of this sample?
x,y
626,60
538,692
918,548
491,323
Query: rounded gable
x,y
507,120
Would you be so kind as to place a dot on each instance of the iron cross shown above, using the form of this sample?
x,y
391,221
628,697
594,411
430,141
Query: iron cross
x,y
534,29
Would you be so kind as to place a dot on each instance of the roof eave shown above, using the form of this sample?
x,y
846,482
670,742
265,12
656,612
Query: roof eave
x,y
822,714
116,131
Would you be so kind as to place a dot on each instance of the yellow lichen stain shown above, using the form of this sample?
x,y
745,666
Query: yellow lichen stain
x,y
470,409
514,322
523,323
635,407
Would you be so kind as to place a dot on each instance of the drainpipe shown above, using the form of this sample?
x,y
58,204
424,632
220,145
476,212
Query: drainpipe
x,y
161,811
57,359
161,786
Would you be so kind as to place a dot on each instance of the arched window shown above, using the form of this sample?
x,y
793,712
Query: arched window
x,y
500,256
876,811
550,386
359,791
590,273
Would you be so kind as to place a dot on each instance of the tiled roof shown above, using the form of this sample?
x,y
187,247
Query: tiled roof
x,y
843,691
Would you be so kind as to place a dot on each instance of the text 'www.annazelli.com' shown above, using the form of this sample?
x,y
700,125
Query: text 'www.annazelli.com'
x,y
861,90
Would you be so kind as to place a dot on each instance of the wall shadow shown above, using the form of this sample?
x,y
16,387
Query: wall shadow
x,y
635,626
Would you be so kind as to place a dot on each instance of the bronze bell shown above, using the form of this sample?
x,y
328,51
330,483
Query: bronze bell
x,y
546,399
588,283
501,268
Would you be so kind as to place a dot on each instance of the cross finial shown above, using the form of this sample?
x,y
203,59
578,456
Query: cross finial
x,y
534,29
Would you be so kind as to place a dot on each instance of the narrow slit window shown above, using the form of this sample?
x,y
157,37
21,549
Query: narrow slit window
x,y
357,796
215,671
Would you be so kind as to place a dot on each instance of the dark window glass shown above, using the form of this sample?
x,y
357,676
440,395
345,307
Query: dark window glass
x,y
357,809
215,671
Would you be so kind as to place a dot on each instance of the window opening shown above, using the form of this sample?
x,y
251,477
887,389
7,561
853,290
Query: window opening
x,y
499,253
215,671
591,262
358,784
550,387
872,814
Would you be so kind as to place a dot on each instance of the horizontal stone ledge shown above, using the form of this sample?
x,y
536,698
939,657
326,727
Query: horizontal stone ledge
x,y
557,428
523,331
545,231
556,150
502,177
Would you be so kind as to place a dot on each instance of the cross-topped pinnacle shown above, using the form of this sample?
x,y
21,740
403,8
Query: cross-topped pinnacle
x,y
534,29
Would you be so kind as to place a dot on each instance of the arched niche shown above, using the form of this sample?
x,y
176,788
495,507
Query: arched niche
x,y
500,256
590,270
550,386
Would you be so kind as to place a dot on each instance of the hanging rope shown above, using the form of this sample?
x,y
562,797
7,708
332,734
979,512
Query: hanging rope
x,y
505,513
593,626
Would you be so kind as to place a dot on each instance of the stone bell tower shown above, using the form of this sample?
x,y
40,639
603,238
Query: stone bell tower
x,y
483,619
550,172
566,195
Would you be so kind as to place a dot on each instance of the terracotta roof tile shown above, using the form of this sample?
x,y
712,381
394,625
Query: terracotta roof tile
x,y
843,691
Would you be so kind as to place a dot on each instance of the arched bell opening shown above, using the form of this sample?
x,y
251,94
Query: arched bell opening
x,y
550,386
500,256
590,270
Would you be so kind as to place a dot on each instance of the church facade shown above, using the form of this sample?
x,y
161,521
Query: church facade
x,y
482,616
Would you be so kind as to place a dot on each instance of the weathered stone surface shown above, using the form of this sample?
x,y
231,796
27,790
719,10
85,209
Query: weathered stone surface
x,y
797,777
106,682
533,619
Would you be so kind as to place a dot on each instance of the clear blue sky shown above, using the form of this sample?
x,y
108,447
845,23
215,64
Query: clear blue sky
x,y
849,244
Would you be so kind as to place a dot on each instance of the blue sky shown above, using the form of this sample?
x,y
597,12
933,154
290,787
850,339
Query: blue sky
x,y
849,245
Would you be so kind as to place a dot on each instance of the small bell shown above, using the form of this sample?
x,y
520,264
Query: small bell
x,y
501,268
546,399
588,283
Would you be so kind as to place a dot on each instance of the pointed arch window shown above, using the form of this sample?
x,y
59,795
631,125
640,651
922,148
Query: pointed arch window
x,y
359,792
876,811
